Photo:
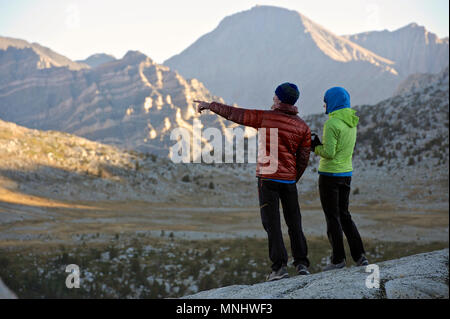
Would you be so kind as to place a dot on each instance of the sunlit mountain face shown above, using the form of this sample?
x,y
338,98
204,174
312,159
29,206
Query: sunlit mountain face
x,y
247,56
131,102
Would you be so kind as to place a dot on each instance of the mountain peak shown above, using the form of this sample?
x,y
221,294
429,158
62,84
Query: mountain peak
x,y
260,15
46,58
131,102
413,48
413,26
269,7
97,59
269,45
262,24
135,56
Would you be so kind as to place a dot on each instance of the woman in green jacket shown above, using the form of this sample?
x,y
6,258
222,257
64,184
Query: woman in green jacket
x,y
335,174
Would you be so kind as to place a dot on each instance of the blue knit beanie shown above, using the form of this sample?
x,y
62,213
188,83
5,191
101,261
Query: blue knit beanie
x,y
287,93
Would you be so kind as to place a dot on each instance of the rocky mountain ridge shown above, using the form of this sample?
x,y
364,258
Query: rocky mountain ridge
x,y
135,103
97,59
412,48
253,62
43,57
131,102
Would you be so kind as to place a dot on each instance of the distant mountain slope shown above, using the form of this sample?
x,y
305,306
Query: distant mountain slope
x,y
131,102
97,59
419,81
43,57
412,48
251,52
407,130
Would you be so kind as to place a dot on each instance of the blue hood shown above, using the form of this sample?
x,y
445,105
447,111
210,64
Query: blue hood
x,y
336,98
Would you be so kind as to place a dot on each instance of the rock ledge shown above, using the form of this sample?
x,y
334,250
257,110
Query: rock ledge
x,y
421,276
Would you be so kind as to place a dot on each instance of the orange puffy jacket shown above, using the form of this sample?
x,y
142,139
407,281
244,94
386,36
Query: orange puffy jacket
x,y
294,138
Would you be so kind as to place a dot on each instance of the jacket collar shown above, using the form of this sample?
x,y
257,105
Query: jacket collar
x,y
286,108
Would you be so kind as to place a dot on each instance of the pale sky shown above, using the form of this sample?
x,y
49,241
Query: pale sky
x,y
162,28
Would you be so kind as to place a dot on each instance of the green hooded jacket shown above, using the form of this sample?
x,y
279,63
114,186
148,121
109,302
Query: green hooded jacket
x,y
338,142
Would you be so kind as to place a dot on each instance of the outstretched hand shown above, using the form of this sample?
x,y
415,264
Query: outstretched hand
x,y
202,106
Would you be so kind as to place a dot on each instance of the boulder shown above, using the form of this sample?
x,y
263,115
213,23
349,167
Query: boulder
x,y
415,277
5,293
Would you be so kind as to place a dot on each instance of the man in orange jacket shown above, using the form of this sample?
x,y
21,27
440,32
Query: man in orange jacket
x,y
279,183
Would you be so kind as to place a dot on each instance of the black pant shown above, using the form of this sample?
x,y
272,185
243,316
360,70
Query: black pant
x,y
270,193
334,196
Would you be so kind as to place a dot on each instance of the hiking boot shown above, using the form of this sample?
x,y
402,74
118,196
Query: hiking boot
x,y
279,274
332,266
302,270
362,261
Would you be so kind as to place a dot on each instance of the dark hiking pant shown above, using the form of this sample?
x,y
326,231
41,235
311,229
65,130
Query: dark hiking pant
x,y
270,194
334,196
